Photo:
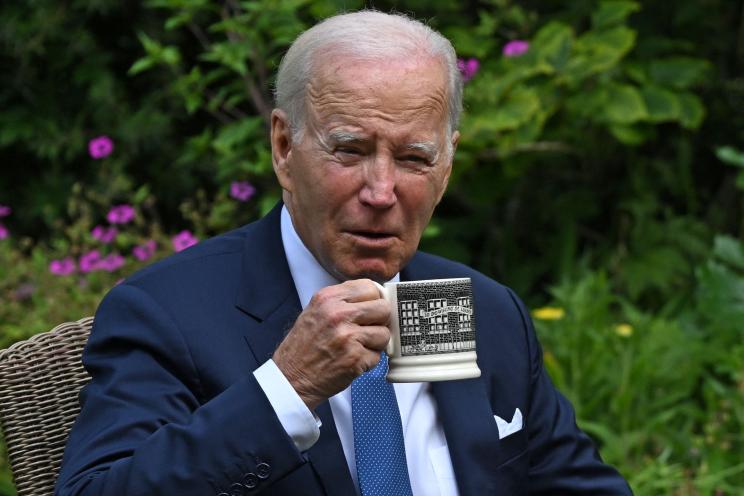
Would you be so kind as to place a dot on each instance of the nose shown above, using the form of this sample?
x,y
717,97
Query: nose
x,y
378,190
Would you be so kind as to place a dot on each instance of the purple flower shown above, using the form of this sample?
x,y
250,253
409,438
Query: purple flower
x,y
144,251
111,262
183,240
63,267
242,190
5,210
120,214
515,48
100,147
90,261
468,68
104,234
4,233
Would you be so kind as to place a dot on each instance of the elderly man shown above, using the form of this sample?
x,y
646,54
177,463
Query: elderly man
x,y
230,368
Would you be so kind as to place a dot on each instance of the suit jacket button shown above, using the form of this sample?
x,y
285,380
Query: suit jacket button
x,y
237,490
263,470
250,480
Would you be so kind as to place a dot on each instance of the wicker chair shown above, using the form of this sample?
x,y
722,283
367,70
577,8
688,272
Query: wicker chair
x,y
40,379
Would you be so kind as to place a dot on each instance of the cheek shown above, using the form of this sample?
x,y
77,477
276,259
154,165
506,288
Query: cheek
x,y
419,195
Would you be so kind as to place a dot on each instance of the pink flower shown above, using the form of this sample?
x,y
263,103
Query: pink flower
x,y
515,48
90,261
183,240
104,234
468,68
120,214
242,190
63,267
100,147
111,262
144,251
4,233
5,210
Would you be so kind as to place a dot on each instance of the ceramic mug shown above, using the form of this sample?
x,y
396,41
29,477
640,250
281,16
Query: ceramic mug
x,y
432,330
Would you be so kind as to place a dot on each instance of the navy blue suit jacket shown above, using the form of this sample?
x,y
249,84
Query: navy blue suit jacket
x,y
173,406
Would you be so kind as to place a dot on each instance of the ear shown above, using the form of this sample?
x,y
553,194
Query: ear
x,y
448,166
281,148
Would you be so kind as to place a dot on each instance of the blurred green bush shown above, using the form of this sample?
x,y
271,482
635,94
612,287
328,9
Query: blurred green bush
x,y
600,173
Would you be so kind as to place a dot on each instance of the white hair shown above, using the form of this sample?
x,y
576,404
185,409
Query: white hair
x,y
366,34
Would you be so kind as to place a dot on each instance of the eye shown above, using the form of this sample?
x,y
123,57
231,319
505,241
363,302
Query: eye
x,y
417,159
348,151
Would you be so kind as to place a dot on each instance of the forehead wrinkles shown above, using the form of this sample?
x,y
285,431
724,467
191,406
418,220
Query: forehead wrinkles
x,y
403,94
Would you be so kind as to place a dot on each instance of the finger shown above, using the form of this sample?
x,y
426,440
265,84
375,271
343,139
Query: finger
x,y
369,360
370,312
359,290
373,338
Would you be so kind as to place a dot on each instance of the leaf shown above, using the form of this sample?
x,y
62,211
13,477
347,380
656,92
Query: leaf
x,y
141,194
628,134
691,110
613,12
597,52
141,65
466,41
729,250
678,72
519,107
661,104
236,133
730,155
232,55
624,104
151,46
553,43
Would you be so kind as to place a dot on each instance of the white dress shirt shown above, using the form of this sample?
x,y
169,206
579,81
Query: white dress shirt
x,y
427,454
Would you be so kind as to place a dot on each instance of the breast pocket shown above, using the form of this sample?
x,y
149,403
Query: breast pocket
x,y
512,437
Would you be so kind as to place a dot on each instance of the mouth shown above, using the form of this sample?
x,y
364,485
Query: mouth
x,y
373,238
372,235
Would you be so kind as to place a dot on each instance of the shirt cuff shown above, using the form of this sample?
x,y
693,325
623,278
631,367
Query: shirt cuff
x,y
302,425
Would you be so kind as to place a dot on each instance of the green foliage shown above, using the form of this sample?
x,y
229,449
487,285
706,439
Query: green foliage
x,y
658,392
605,163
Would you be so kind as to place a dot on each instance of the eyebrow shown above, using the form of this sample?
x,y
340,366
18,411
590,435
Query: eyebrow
x,y
426,147
347,137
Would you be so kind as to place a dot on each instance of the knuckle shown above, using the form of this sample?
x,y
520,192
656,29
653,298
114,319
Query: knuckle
x,y
323,296
336,317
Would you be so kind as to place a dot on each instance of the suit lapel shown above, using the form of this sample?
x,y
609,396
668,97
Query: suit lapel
x,y
268,296
267,293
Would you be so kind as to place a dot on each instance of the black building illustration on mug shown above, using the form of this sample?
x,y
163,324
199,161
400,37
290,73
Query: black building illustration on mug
x,y
436,318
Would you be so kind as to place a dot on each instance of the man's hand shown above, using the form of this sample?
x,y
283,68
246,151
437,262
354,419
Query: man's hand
x,y
338,336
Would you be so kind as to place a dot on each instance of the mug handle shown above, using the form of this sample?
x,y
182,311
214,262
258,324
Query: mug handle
x,y
389,348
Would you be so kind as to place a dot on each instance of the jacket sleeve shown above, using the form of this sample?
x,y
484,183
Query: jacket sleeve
x,y
563,459
145,427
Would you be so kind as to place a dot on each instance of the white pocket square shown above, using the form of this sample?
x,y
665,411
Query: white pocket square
x,y
509,428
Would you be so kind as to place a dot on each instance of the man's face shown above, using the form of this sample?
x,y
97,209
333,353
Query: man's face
x,y
372,164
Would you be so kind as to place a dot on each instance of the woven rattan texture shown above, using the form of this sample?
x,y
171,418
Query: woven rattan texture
x,y
40,379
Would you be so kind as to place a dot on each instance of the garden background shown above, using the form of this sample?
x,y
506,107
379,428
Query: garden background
x,y
600,173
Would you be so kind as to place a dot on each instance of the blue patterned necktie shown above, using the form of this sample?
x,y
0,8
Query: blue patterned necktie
x,y
378,435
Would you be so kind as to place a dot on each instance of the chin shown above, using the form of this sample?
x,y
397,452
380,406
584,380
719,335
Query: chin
x,y
379,273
